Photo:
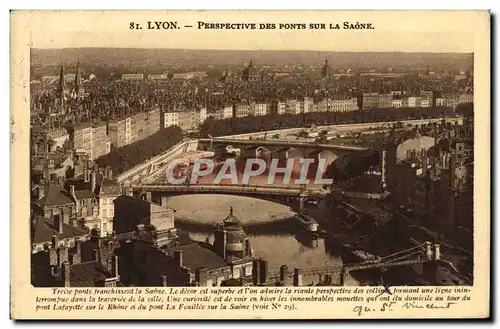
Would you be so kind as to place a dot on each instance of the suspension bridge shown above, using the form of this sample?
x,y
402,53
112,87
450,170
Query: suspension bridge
x,y
419,255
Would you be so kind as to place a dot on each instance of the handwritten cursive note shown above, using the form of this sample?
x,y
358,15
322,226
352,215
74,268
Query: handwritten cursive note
x,y
391,306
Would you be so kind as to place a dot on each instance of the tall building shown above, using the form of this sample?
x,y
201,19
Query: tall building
x,y
241,110
250,73
325,71
170,119
292,107
343,105
153,121
259,109
370,100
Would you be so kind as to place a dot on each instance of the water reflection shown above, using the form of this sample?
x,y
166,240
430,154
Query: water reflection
x,y
280,243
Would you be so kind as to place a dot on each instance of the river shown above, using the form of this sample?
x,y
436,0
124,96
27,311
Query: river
x,y
274,234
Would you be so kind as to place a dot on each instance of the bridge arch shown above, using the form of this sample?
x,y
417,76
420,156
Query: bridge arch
x,y
286,200
263,152
288,153
328,155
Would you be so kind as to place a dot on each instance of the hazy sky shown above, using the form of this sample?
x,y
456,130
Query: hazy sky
x,y
419,31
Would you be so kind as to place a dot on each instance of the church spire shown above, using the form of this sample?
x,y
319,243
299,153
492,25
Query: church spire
x,y
61,86
77,80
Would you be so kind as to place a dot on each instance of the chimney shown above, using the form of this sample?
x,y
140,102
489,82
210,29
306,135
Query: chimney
x,y
66,274
95,236
55,240
53,258
58,224
63,254
77,256
72,191
96,254
256,272
264,271
201,276
178,257
164,280
115,270
425,166
92,181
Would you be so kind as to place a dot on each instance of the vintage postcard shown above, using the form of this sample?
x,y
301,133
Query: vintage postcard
x,y
250,164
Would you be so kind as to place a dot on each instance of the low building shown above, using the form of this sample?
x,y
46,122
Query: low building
x,y
191,263
131,212
89,263
133,76
397,103
414,101
46,230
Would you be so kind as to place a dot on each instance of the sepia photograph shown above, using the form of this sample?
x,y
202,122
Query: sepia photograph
x,y
340,162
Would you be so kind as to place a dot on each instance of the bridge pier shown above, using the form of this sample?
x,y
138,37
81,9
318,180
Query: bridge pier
x,y
284,275
428,268
256,272
346,278
297,277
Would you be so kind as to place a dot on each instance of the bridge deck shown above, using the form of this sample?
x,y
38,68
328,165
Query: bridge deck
x,y
283,143
243,189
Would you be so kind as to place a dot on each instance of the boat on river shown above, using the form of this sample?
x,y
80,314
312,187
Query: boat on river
x,y
307,223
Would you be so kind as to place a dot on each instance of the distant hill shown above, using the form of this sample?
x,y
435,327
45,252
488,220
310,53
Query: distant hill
x,y
138,57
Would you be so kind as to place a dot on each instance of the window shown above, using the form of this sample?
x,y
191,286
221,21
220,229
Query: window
x,y
105,227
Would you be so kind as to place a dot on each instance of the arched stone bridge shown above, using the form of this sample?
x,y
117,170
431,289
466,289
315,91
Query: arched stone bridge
x,y
280,149
293,196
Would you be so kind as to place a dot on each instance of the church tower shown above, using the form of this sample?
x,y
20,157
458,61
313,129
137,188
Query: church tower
x,y
231,241
325,71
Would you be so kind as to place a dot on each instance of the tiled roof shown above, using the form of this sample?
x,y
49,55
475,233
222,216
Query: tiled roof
x,y
104,186
55,196
44,229
81,274
195,255
108,187
84,194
